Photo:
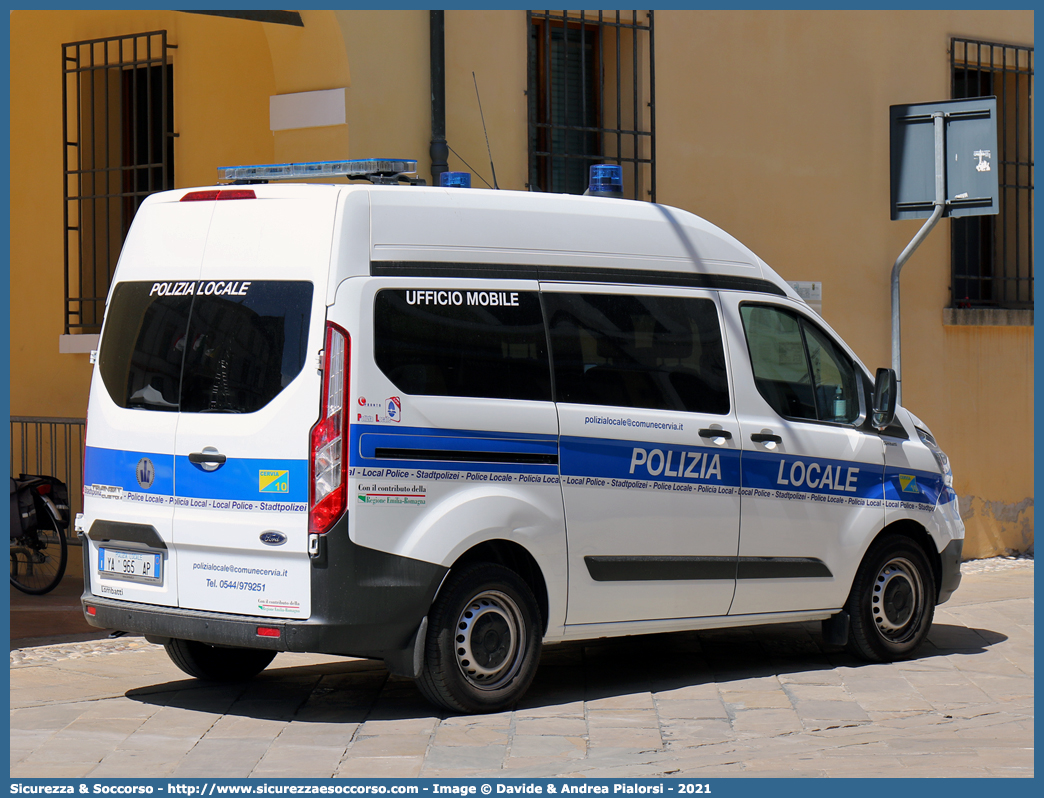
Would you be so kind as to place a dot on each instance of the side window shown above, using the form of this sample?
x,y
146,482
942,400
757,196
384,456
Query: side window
x,y
798,370
463,343
662,353
833,376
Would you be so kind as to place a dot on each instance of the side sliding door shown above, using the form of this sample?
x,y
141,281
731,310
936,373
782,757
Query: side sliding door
x,y
649,452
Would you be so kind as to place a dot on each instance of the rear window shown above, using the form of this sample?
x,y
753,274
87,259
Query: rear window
x,y
204,346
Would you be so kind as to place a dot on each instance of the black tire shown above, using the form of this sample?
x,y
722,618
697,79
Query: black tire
x,y
892,602
39,556
483,605
216,664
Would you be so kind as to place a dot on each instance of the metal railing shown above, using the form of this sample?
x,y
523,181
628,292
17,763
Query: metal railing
x,y
591,91
51,446
117,117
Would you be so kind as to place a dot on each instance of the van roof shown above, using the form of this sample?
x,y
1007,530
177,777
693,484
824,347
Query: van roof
x,y
500,228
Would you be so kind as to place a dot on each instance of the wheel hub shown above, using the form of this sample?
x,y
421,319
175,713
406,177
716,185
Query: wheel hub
x,y
494,640
488,637
897,598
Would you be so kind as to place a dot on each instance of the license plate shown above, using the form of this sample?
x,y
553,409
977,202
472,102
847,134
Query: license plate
x,y
136,566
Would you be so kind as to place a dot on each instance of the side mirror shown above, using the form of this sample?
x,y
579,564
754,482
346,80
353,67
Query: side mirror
x,y
884,398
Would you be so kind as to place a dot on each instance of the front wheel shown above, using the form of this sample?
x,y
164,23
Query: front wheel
x,y
216,664
892,602
483,642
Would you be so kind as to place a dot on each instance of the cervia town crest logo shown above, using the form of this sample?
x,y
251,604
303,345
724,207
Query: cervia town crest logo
x,y
145,473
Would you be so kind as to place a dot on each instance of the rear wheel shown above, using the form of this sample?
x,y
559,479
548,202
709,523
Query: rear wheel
x,y
483,643
216,664
39,556
892,602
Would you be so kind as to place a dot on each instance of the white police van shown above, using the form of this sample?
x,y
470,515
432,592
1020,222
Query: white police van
x,y
442,427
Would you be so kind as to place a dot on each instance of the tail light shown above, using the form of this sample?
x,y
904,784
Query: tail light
x,y
83,461
222,194
328,486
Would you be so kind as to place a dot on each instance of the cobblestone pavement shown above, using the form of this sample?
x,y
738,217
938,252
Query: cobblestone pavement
x,y
765,701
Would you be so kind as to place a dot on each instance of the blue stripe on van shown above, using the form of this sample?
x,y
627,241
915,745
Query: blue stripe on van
x,y
620,459
608,458
244,479
240,479
786,472
263,480
118,468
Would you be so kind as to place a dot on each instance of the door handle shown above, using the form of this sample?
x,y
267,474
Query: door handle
x,y
209,459
716,433
761,437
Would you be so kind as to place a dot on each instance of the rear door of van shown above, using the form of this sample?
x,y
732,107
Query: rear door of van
x,y
132,419
249,397
197,455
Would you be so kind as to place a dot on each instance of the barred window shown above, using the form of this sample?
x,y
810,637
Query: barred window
x,y
992,256
118,119
591,91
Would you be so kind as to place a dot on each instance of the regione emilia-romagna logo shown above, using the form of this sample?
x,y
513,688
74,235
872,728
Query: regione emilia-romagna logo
x,y
908,483
273,481
145,473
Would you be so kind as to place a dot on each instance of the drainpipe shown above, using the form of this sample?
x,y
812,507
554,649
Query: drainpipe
x,y
439,150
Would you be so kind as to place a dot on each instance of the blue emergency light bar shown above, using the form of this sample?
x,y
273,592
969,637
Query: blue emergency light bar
x,y
362,168
455,179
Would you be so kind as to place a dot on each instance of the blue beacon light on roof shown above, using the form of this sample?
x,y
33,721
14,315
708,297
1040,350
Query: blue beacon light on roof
x,y
455,179
606,180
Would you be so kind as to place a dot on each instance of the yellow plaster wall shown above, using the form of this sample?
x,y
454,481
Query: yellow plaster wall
x,y
225,71
492,44
774,125
389,100
309,58
223,77
985,408
771,124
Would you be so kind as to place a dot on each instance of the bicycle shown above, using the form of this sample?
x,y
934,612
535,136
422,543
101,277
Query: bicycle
x,y
39,518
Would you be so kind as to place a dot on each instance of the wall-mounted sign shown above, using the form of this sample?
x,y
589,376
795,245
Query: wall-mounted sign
x,y
970,153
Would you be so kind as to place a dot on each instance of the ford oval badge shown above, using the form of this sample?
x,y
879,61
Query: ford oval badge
x,y
273,538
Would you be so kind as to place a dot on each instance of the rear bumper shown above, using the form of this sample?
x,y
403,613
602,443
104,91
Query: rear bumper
x,y
365,603
163,623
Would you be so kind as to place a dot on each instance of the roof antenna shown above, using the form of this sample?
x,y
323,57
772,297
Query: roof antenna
x,y
483,118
